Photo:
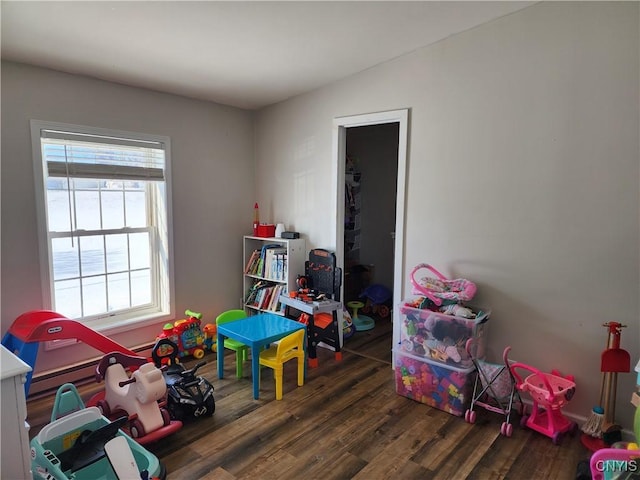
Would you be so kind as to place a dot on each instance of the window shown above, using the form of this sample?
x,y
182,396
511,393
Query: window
x,y
105,224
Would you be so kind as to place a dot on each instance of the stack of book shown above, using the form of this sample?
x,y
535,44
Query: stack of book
x,y
265,296
269,262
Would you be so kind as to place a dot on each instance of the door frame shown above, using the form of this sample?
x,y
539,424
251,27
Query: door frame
x,y
339,150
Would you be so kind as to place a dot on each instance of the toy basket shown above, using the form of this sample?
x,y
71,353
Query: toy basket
x,y
549,389
441,289
550,392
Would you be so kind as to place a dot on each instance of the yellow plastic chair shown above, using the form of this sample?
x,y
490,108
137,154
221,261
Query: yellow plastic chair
x,y
291,346
242,350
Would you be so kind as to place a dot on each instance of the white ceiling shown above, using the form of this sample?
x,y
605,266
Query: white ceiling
x,y
239,53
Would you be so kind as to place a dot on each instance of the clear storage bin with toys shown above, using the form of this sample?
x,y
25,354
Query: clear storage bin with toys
x,y
441,386
440,334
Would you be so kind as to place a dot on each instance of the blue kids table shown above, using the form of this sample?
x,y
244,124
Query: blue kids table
x,y
256,332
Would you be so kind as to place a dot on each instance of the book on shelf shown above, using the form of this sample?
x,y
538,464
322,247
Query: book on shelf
x,y
266,298
281,266
252,293
275,296
260,297
273,263
264,295
251,266
261,270
272,301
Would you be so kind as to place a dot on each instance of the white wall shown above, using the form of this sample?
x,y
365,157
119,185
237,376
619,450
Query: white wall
x,y
523,175
213,177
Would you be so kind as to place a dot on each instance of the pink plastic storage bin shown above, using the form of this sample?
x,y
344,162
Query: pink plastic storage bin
x,y
441,338
444,387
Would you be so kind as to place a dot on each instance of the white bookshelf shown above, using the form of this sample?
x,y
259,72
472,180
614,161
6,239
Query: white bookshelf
x,y
287,262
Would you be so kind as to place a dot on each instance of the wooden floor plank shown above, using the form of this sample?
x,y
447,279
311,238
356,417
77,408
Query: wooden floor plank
x,y
397,421
331,464
473,444
269,467
216,474
497,460
397,453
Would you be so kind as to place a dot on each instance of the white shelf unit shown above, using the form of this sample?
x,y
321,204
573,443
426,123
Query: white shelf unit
x,y
289,256
16,459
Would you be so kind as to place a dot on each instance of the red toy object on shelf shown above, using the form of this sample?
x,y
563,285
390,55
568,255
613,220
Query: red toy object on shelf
x,y
135,395
36,326
266,230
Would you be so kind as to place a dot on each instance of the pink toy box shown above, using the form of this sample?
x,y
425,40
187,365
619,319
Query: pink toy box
x,y
441,386
440,337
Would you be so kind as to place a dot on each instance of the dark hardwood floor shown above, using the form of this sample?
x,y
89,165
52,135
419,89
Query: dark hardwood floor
x,y
346,422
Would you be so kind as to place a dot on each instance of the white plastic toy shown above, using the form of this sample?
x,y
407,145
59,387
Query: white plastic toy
x,y
136,394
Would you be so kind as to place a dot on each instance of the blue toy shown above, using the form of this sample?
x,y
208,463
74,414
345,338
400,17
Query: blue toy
x,y
378,299
360,322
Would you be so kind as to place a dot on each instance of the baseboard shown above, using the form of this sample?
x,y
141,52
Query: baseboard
x,y
47,382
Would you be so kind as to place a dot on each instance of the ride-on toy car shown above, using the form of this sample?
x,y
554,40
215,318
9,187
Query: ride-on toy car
x,y
134,396
81,444
190,336
188,396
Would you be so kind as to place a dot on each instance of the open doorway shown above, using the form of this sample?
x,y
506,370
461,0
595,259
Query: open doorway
x,y
391,124
371,173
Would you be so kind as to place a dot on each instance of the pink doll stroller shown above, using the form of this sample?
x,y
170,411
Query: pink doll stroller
x,y
550,392
494,389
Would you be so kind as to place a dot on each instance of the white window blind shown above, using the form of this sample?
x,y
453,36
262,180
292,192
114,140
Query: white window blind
x,y
69,154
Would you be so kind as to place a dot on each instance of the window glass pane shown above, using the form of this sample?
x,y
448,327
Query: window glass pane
x,y
92,255
94,295
134,185
140,287
66,263
87,205
67,298
112,209
54,152
118,285
58,206
87,183
117,253
136,209
139,249
114,185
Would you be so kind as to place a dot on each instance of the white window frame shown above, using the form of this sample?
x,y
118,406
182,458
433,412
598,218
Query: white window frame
x,y
163,295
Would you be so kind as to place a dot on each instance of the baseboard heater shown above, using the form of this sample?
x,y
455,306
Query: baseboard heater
x,y
46,383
